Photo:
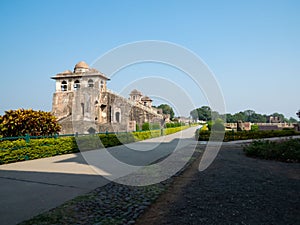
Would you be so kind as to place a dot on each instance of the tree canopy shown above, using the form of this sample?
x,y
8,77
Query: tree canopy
x,y
167,110
205,113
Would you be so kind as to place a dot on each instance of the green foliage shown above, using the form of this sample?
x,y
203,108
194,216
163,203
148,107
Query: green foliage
x,y
139,136
209,125
167,110
173,130
27,121
203,113
286,150
245,135
154,126
292,120
145,126
150,126
137,127
110,140
218,125
19,150
254,127
169,125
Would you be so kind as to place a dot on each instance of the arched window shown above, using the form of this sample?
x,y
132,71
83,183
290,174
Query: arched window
x,y
118,117
96,102
90,83
76,84
64,86
102,84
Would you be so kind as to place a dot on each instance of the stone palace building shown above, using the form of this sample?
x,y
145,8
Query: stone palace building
x,y
82,103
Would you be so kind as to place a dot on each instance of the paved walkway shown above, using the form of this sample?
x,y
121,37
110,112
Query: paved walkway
x,y
32,187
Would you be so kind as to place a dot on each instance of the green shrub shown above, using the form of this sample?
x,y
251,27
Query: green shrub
x,y
154,126
174,130
254,127
218,126
286,150
245,135
19,150
174,124
139,136
27,121
145,126
110,140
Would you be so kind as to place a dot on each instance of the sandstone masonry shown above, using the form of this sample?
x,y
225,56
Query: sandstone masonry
x,y
82,103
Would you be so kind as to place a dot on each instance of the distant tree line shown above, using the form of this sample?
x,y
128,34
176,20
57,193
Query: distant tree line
x,y
205,113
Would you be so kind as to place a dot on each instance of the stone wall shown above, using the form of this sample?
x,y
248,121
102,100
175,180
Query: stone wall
x,y
86,112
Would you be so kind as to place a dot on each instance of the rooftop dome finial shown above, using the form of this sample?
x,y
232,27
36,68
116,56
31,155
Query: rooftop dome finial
x,y
82,64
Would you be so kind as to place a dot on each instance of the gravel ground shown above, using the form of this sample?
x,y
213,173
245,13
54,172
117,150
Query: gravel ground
x,y
235,189
111,204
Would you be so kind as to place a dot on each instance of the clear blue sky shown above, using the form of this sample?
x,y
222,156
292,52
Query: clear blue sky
x,y
253,47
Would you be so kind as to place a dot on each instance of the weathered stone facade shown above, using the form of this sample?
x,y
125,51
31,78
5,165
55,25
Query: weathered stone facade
x,y
82,103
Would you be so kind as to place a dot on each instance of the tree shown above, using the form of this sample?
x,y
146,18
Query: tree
x,y
203,113
280,116
230,118
27,121
240,116
167,110
298,114
292,120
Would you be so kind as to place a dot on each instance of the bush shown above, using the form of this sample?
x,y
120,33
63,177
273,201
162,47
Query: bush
x,y
139,136
154,126
254,127
137,127
175,124
174,129
245,135
218,126
20,150
27,121
286,150
146,126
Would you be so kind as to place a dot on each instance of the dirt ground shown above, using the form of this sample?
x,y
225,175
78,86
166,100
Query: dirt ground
x,y
235,189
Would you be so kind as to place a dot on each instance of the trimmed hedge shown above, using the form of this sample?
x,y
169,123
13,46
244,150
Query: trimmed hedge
x,y
284,150
174,130
245,135
19,150
139,136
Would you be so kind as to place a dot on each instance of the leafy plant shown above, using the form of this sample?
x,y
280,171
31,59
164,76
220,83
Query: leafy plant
x,y
20,150
146,126
27,121
286,150
244,135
